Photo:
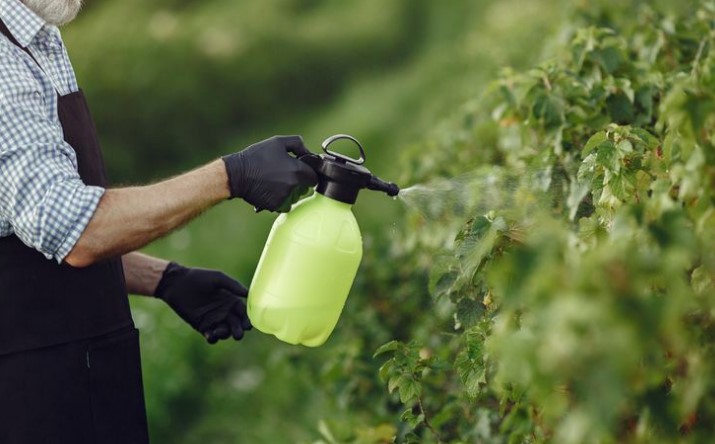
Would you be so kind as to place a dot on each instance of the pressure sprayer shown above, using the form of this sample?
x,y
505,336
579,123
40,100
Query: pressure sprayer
x,y
313,252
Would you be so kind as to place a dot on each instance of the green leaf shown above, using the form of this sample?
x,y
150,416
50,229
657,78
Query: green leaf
x,y
412,420
410,390
480,227
594,141
587,169
549,109
624,85
644,104
444,284
395,382
387,347
607,156
622,186
620,108
647,138
469,312
625,147
589,227
610,58
386,369
443,275
472,372
699,108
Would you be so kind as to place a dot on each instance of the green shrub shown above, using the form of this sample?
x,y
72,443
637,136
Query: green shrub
x,y
575,303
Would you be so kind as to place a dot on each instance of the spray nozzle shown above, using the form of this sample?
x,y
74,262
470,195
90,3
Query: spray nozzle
x,y
341,177
378,184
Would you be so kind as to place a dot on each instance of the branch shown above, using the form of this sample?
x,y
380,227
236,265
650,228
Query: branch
x,y
426,421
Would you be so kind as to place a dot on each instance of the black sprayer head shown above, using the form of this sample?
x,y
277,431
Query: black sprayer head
x,y
378,184
341,177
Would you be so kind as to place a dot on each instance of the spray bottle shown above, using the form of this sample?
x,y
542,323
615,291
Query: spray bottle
x,y
313,252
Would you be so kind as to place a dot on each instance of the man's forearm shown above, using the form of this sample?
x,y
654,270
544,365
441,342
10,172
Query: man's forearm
x,y
142,273
127,219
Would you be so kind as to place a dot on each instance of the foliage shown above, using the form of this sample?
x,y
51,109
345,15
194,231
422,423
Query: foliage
x,y
556,281
581,306
260,390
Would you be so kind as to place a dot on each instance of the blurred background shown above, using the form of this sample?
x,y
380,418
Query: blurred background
x,y
176,83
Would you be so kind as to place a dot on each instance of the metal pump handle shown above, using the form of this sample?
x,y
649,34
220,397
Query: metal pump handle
x,y
331,139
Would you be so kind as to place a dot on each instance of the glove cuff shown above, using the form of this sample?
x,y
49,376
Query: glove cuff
x,y
171,273
234,171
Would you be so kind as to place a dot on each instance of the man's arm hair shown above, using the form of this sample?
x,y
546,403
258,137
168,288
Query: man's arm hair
x,y
127,219
142,273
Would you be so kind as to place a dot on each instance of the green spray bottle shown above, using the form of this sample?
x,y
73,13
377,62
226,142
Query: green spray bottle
x,y
321,238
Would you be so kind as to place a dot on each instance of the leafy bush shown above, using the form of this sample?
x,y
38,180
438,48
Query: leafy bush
x,y
261,390
575,302
559,290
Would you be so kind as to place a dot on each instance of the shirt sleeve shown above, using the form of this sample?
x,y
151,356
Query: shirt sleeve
x,y
41,194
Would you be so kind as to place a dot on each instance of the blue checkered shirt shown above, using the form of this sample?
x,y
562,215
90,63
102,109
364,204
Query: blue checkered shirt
x,y
43,201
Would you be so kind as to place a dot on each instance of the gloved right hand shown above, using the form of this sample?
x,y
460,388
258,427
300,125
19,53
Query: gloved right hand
x,y
267,176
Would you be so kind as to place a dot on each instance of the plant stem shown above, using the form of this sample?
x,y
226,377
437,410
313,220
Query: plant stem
x,y
426,421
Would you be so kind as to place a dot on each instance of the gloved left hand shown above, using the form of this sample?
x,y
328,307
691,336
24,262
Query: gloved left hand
x,y
211,302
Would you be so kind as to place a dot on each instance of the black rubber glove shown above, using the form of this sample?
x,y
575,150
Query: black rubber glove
x,y
211,302
267,176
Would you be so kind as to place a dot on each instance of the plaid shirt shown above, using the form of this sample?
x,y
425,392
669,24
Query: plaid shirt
x,y
43,201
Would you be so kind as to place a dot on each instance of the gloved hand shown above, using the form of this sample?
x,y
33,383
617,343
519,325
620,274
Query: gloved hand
x,y
267,177
211,302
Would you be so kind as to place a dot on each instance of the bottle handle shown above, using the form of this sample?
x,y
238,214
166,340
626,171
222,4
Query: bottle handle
x,y
331,139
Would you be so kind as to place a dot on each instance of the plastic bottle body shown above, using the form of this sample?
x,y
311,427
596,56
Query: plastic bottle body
x,y
305,272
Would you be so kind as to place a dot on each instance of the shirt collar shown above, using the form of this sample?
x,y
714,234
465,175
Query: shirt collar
x,y
20,21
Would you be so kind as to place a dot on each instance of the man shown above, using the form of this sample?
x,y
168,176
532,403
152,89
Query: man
x,y
69,366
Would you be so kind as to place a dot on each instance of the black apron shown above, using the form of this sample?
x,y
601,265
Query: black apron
x,y
69,356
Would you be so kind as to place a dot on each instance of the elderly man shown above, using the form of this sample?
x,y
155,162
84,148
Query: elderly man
x,y
69,358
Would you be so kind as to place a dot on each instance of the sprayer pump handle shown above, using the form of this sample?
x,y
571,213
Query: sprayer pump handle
x,y
331,139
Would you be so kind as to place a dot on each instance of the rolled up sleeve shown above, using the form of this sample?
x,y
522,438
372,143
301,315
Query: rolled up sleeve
x,y
42,196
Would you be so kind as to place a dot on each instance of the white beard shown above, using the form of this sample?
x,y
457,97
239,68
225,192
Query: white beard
x,y
55,12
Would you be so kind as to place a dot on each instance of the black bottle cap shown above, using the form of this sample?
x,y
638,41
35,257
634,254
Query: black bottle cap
x,y
341,177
